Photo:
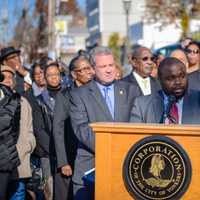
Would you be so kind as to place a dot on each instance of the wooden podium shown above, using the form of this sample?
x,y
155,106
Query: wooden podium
x,y
113,141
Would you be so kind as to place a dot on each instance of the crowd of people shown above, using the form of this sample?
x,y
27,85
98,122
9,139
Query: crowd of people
x,y
46,142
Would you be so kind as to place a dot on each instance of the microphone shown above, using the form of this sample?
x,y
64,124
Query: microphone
x,y
171,101
1,77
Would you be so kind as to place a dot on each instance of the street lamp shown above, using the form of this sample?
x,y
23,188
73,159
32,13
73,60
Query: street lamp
x,y
127,8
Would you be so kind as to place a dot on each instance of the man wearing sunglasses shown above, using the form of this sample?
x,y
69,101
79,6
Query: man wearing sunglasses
x,y
142,62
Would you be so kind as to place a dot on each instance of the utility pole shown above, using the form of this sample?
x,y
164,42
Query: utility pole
x,y
51,29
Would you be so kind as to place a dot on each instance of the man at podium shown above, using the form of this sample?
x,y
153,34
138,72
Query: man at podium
x,y
102,99
174,103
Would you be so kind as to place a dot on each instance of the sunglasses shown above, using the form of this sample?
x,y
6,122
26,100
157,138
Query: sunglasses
x,y
188,51
81,71
146,58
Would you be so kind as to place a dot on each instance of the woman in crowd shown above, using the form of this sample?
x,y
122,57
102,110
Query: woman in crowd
x,y
81,69
193,55
65,141
25,141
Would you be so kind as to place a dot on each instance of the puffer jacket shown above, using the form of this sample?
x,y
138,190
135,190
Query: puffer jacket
x,y
9,129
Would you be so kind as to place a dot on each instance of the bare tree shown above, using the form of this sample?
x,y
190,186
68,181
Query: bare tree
x,y
31,30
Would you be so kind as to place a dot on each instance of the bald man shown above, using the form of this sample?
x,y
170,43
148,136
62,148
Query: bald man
x,y
180,54
173,79
142,64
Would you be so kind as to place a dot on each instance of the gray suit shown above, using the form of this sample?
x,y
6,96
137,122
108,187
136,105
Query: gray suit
x,y
149,109
87,106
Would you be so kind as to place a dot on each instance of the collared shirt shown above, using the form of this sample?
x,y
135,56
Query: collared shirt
x,y
111,93
27,78
36,90
144,83
179,105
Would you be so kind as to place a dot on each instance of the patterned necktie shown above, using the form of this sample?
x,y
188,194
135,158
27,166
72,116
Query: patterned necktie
x,y
173,117
174,114
108,100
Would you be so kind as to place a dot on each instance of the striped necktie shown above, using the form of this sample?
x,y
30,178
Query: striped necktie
x,y
173,117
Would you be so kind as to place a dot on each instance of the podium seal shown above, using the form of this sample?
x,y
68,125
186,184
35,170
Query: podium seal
x,y
157,168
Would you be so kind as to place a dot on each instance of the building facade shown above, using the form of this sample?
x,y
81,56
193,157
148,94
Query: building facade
x,y
105,17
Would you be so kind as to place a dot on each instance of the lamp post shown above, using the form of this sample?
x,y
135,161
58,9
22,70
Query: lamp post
x,y
127,8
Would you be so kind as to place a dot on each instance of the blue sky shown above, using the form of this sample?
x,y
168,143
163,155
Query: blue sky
x,y
14,11
82,3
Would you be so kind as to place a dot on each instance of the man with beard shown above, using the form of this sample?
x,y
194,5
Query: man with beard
x,y
142,64
174,103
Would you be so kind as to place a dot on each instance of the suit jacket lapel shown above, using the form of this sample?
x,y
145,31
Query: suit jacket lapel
x,y
153,86
158,106
188,109
134,81
120,98
96,93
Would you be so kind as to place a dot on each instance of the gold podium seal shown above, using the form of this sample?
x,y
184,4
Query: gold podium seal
x,y
157,168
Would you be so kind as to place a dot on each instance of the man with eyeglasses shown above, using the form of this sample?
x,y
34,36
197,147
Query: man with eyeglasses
x,y
142,62
193,55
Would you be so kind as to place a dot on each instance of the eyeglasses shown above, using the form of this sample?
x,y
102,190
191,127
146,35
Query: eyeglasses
x,y
83,70
146,58
195,51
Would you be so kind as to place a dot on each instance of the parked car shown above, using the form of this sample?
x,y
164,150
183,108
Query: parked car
x,y
166,50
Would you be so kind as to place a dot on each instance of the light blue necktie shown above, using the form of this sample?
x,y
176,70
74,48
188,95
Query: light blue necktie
x,y
108,100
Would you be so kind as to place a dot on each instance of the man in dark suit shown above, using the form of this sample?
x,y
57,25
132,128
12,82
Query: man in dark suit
x,y
156,108
102,99
142,64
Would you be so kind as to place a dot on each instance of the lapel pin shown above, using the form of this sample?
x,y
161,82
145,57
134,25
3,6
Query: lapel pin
x,y
121,92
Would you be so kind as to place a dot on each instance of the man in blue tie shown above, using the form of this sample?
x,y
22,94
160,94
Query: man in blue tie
x,y
102,99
